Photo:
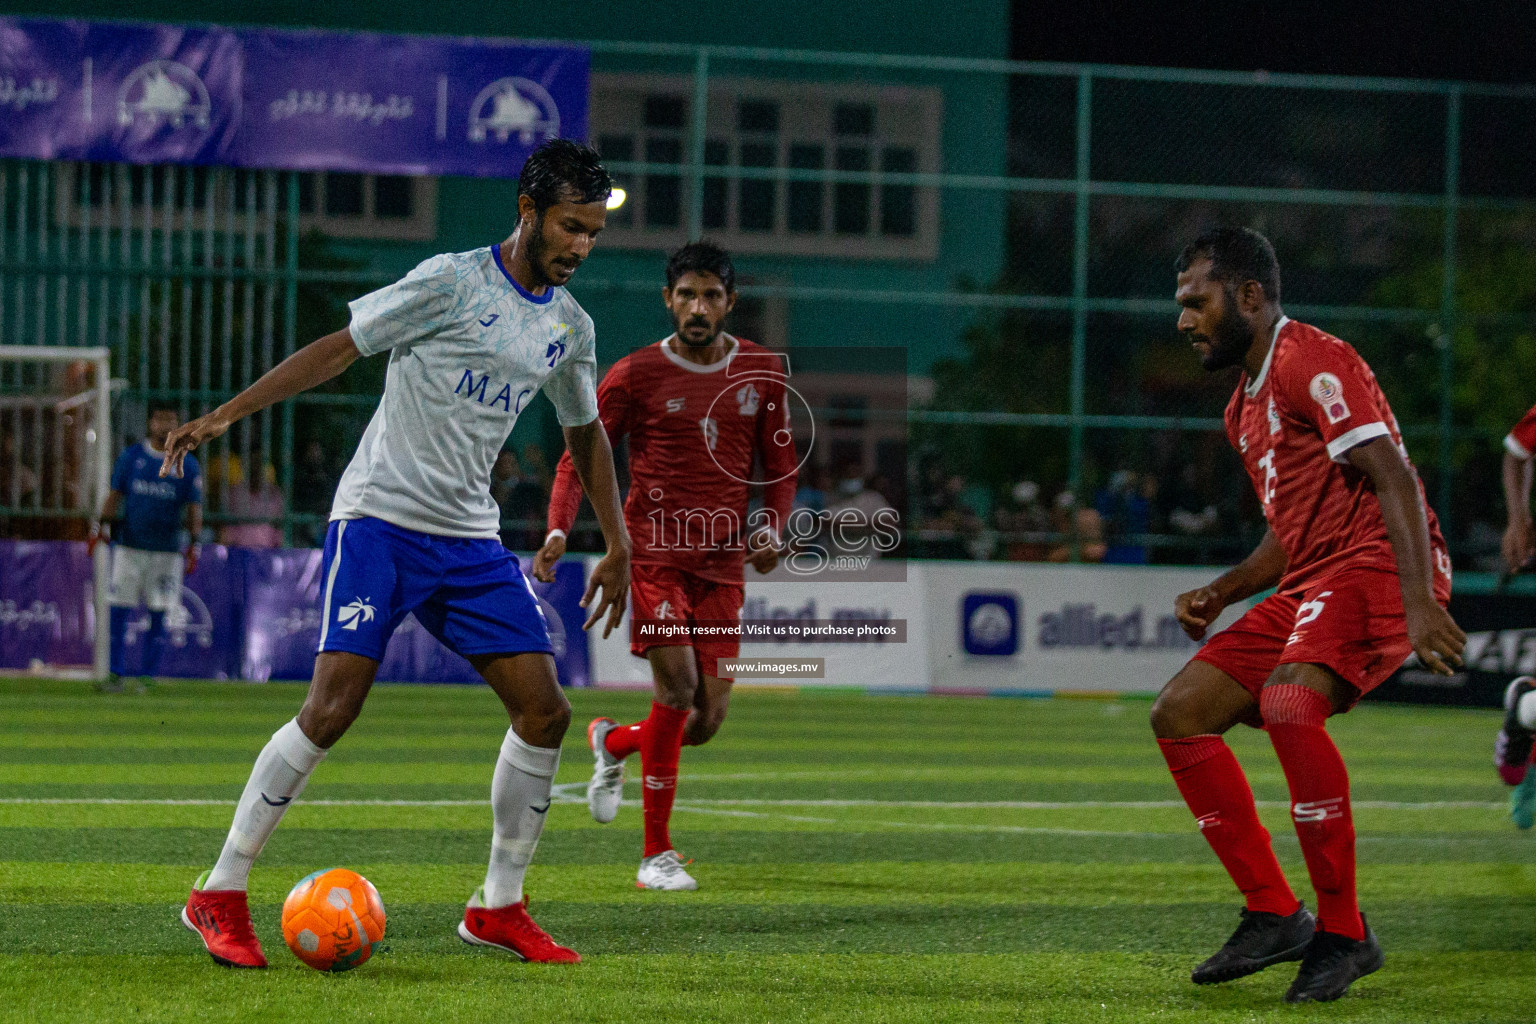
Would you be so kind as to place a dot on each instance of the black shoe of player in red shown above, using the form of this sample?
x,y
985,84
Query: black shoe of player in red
x,y
1332,964
222,919
1261,940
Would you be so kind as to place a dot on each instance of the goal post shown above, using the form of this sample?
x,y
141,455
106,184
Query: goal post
x,y
56,455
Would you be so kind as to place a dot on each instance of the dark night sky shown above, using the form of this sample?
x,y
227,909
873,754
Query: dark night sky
x,y
1488,42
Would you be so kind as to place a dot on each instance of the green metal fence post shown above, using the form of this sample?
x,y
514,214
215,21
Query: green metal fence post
x,y
700,116
290,329
1446,340
1080,289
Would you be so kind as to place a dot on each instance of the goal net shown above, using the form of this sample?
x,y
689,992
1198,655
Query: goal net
x,y
55,469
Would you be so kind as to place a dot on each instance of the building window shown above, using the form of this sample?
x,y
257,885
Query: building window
x,y
340,204
771,130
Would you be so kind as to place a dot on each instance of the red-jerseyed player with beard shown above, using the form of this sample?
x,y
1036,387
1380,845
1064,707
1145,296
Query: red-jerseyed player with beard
x,y
1361,577
700,407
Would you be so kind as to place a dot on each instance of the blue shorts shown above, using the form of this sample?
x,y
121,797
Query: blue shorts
x,y
467,591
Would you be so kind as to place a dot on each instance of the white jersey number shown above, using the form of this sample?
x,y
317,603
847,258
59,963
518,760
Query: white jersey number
x,y
1271,478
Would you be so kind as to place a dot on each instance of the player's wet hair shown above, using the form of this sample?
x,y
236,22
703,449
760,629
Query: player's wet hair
x,y
564,171
1236,255
702,258
161,405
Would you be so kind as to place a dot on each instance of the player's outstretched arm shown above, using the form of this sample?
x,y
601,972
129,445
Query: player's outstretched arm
x,y
1436,638
592,456
309,367
1519,535
1262,569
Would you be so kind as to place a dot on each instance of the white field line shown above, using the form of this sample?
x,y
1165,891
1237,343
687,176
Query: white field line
x,y
573,792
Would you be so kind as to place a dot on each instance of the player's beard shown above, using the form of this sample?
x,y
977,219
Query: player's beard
x,y
538,249
678,323
1228,341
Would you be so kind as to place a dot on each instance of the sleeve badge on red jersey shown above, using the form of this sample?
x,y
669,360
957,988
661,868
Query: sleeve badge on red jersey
x,y
1329,393
747,398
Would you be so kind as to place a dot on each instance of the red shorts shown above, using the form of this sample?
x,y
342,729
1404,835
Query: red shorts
x,y
1351,622
663,595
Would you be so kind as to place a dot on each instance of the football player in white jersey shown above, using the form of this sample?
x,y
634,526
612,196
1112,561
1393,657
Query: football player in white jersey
x,y
471,338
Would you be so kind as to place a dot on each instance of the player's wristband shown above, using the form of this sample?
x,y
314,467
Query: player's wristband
x,y
552,534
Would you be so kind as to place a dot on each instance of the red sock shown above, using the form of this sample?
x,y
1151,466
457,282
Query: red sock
x,y
623,740
1294,716
1216,790
661,743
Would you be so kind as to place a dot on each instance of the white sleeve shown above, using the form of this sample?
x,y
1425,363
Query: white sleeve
x,y
415,307
1339,447
573,386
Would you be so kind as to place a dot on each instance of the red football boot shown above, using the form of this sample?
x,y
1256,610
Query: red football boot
x,y
222,919
510,928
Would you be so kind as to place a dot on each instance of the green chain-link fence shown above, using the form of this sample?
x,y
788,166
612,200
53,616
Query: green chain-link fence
x,y
1021,250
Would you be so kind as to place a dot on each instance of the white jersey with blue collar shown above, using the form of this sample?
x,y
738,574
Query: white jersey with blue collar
x,y
468,349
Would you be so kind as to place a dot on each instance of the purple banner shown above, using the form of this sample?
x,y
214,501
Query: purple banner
x,y
46,614
155,94
245,614
202,634
282,613
281,99
41,71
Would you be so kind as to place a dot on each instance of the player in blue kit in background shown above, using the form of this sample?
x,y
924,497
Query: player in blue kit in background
x,y
147,557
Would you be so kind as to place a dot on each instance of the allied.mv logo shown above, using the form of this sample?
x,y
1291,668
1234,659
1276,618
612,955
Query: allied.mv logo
x,y
514,105
352,615
164,92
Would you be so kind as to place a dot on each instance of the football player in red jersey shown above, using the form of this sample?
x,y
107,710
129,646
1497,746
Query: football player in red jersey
x,y
1361,580
1512,748
700,407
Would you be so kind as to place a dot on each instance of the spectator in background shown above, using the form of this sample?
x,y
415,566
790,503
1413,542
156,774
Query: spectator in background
x,y
314,486
1024,516
518,498
1084,528
1189,512
1124,511
862,500
17,481
259,504
951,528
812,493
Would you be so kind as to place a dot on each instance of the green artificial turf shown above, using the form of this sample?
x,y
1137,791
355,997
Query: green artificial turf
x,y
860,859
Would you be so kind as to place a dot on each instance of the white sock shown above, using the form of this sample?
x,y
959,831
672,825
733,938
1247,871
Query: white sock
x,y
519,805
1527,711
282,768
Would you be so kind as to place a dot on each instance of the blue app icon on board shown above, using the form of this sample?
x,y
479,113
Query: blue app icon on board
x,y
989,624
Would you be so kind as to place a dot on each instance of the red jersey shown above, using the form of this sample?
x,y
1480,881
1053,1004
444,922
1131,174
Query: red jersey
x,y
1521,442
694,434
1314,400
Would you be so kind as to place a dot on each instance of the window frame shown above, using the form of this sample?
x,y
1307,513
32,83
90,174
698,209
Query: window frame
x,y
906,117
421,225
